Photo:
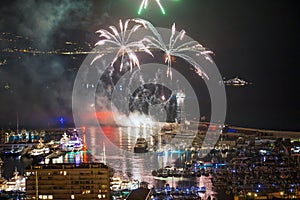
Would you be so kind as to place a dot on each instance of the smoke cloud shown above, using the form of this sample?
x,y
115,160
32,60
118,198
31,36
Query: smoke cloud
x,y
39,87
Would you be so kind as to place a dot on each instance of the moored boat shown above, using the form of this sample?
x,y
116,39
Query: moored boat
x,y
40,149
72,144
16,183
141,146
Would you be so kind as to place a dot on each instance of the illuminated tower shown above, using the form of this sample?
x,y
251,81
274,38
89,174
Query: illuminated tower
x,y
180,96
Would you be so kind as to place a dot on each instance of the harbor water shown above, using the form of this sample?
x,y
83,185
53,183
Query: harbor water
x,y
114,146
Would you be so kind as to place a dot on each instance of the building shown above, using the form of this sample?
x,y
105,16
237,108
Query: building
x,y
180,112
68,181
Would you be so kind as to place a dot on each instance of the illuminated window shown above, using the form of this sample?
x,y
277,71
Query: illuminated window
x,y
86,191
72,196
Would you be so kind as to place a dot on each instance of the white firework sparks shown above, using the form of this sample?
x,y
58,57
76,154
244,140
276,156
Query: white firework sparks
x,y
121,40
172,49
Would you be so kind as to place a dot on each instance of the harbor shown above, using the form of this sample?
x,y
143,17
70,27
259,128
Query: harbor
x,y
59,154
238,167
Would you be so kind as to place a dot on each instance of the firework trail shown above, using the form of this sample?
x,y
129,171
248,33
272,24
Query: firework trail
x,y
144,5
172,49
121,40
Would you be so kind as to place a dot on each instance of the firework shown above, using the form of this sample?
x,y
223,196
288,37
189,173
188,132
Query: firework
x,y
172,49
144,5
121,40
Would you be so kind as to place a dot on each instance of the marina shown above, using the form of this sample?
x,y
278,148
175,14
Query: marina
x,y
59,154
237,166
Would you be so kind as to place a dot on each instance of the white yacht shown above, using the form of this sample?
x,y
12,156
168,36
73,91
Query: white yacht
x,y
115,184
73,143
16,183
64,139
236,82
40,149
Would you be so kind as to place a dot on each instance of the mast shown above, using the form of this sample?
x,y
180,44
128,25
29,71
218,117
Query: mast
x,y
104,154
1,163
36,185
17,122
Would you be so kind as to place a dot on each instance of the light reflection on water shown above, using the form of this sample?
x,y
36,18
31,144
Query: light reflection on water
x,y
119,143
115,147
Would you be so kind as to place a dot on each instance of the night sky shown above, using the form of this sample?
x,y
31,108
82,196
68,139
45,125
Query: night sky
x,y
256,40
